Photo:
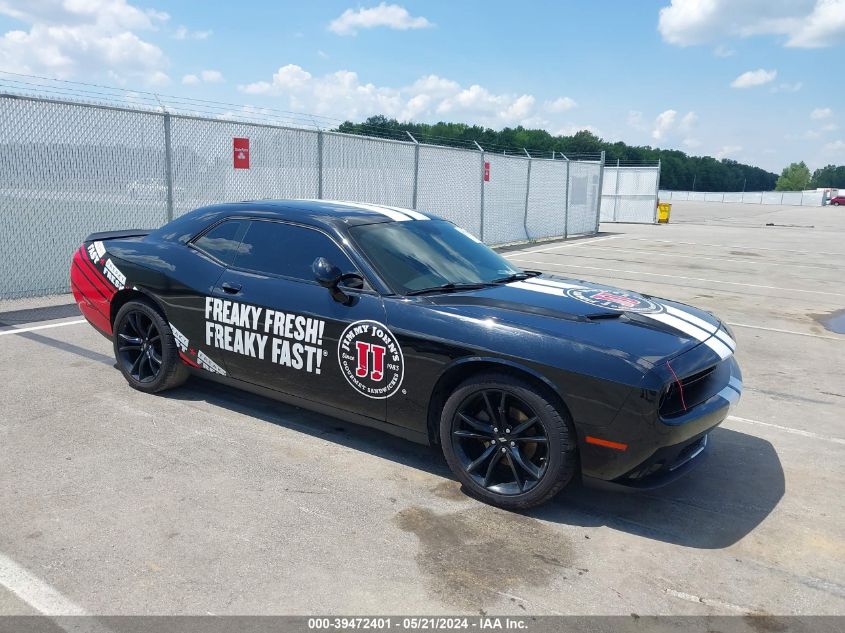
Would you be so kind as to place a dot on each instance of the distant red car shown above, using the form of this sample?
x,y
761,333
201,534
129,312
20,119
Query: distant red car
x,y
837,201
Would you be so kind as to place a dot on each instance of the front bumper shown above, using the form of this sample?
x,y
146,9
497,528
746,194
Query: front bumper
x,y
659,451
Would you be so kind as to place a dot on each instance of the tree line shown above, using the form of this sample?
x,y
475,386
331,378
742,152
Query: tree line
x,y
678,171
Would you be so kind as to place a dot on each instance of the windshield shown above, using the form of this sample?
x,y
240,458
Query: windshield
x,y
413,256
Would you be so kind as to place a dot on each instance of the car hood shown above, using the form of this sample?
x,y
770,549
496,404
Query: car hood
x,y
643,328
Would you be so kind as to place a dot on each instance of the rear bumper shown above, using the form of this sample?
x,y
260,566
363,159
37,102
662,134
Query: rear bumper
x,y
661,451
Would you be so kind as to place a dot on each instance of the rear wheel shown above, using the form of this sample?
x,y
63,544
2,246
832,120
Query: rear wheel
x,y
145,350
507,443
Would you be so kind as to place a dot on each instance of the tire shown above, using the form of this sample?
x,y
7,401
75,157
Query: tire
x,y
538,470
145,349
835,204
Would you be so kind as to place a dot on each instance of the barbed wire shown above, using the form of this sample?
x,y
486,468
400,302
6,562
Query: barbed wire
x,y
87,93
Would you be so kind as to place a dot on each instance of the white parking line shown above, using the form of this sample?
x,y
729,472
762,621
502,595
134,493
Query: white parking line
x,y
712,281
774,329
34,591
788,429
40,327
580,242
651,253
749,248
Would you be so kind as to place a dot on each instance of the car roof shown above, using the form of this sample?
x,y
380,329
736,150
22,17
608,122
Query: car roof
x,y
335,214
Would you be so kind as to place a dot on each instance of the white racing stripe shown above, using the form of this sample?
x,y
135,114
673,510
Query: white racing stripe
x,y
552,283
549,290
692,330
400,215
687,323
704,325
414,214
392,214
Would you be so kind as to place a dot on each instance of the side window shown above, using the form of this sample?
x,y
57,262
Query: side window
x,y
287,250
222,241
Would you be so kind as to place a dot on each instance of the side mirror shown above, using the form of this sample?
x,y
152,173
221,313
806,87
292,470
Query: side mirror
x,y
327,274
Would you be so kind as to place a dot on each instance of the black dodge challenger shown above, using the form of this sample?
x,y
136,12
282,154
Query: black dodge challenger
x,y
405,322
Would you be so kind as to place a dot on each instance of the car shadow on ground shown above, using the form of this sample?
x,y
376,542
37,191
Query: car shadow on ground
x,y
737,485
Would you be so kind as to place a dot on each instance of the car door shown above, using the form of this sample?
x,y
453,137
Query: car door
x,y
280,329
193,278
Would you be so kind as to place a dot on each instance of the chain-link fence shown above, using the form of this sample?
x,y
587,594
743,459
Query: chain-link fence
x,y
796,198
629,193
68,169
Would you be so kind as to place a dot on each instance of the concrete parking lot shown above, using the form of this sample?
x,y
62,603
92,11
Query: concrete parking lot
x,y
208,500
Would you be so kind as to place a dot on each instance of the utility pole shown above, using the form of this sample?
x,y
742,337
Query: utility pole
x,y
694,176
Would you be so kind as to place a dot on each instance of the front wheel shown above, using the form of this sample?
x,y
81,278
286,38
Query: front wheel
x,y
835,204
507,443
145,350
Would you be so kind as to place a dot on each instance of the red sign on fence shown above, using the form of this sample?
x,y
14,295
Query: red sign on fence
x,y
240,147
486,172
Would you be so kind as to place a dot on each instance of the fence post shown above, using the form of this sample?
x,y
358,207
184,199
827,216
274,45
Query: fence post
x,y
168,166
416,169
656,191
566,204
319,164
527,192
598,197
615,195
481,150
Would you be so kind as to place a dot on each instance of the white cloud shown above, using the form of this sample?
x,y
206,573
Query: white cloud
x,y
66,38
322,55
636,120
821,113
728,150
723,51
801,23
343,95
830,127
205,76
561,104
391,16
572,130
212,76
752,78
692,143
787,87
835,146
666,124
183,33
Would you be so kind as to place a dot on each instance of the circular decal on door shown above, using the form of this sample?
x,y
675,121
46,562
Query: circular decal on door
x,y
370,359
614,300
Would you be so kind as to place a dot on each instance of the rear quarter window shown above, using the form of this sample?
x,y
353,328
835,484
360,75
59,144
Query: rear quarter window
x,y
222,241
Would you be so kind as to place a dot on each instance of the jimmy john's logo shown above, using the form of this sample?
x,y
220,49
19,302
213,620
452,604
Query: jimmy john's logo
x,y
614,300
370,359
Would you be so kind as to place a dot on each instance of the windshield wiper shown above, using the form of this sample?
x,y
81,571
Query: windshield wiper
x,y
448,288
525,274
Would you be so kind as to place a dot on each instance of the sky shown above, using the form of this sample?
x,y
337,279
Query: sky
x,y
758,81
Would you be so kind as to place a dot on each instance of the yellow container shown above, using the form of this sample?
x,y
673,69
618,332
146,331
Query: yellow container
x,y
664,209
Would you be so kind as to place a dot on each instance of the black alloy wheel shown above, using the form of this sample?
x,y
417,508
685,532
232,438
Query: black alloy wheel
x,y
145,349
510,444
139,346
500,442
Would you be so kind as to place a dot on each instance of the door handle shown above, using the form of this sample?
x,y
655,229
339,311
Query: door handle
x,y
230,288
